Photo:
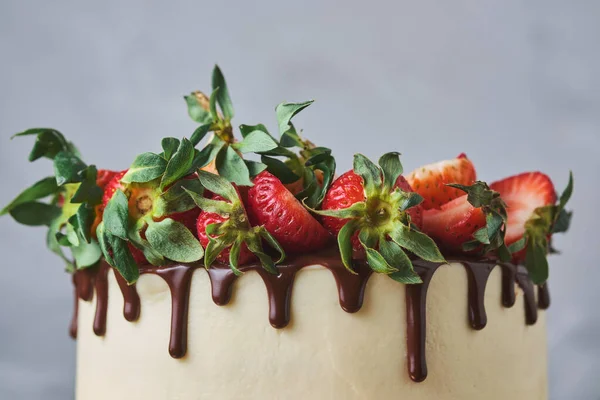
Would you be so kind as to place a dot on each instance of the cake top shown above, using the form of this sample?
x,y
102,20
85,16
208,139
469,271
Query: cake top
x,y
217,203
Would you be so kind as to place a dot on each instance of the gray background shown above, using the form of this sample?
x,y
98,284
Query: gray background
x,y
514,84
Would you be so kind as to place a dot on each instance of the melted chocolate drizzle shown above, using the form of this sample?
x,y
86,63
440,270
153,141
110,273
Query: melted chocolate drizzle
x,y
351,288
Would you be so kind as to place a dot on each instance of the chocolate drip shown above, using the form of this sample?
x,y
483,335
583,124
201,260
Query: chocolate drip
x,y
531,312
101,287
416,302
508,285
279,291
179,279
351,287
221,282
543,296
478,277
73,325
131,299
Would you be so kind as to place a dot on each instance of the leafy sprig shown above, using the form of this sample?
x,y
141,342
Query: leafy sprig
x,y
73,194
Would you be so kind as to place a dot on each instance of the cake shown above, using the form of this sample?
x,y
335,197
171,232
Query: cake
x,y
200,273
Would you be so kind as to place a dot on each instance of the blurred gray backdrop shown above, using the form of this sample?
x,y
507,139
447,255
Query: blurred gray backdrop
x,y
514,84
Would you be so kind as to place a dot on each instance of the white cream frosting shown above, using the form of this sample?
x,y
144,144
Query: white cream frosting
x,y
324,353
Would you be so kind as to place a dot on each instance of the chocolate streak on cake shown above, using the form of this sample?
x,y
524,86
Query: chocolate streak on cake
x,y
351,288
543,296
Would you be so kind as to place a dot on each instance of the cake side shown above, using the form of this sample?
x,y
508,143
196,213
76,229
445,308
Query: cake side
x,y
324,352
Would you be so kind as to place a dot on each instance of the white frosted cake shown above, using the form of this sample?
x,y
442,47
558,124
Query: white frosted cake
x,y
202,273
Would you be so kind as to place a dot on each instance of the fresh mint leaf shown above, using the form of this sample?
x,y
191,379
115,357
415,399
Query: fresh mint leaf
x,y
38,190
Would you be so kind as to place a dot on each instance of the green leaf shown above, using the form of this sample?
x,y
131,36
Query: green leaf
x,y
169,145
34,213
286,111
245,130
179,165
416,242
84,216
566,194
210,205
116,215
535,259
391,167
256,142
280,170
394,255
479,193
223,98
562,223
122,259
370,173
174,241
38,190
265,260
377,262
344,240
67,168
176,198
88,191
203,157
49,143
356,210
518,245
234,254
232,167
213,104
145,168
255,167
411,199
195,109
271,241
219,185
86,254
199,134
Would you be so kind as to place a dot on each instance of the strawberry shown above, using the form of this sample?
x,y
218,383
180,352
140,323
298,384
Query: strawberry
x,y
454,223
347,190
522,194
208,218
224,227
374,210
430,180
272,205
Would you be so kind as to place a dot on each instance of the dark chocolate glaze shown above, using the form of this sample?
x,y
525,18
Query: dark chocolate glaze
x,y
73,324
350,286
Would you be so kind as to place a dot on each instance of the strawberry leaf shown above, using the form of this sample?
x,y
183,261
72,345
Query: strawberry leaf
x,y
212,105
279,169
394,255
370,173
232,167
67,168
83,220
245,130
219,185
179,165
145,168
199,134
122,259
271,241
416,242
38,190
196,109
116,215
86,254
169,145
255,142
210,205
223,98
176,198
535,259
88,191
255,167
345,243
34,213
285,112
174,241
392,169
49,143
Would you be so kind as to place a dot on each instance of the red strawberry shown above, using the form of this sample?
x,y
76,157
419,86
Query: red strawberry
x,y
522,194
370,209
273,206
208,218
454,223
430,180
347,190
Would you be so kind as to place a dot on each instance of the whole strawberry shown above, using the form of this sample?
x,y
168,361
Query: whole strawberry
x,y
224,228
431,180
272,205
146,208
371,209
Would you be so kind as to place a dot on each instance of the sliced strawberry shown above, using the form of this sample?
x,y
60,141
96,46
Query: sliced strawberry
x,y
272,205
430,180
522,194
454,223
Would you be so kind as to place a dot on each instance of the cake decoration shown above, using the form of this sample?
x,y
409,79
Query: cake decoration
x,y
187,208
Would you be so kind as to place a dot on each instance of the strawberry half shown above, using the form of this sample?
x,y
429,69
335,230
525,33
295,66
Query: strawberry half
x,y
431,180
522,194
371,209
272,205
224,228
